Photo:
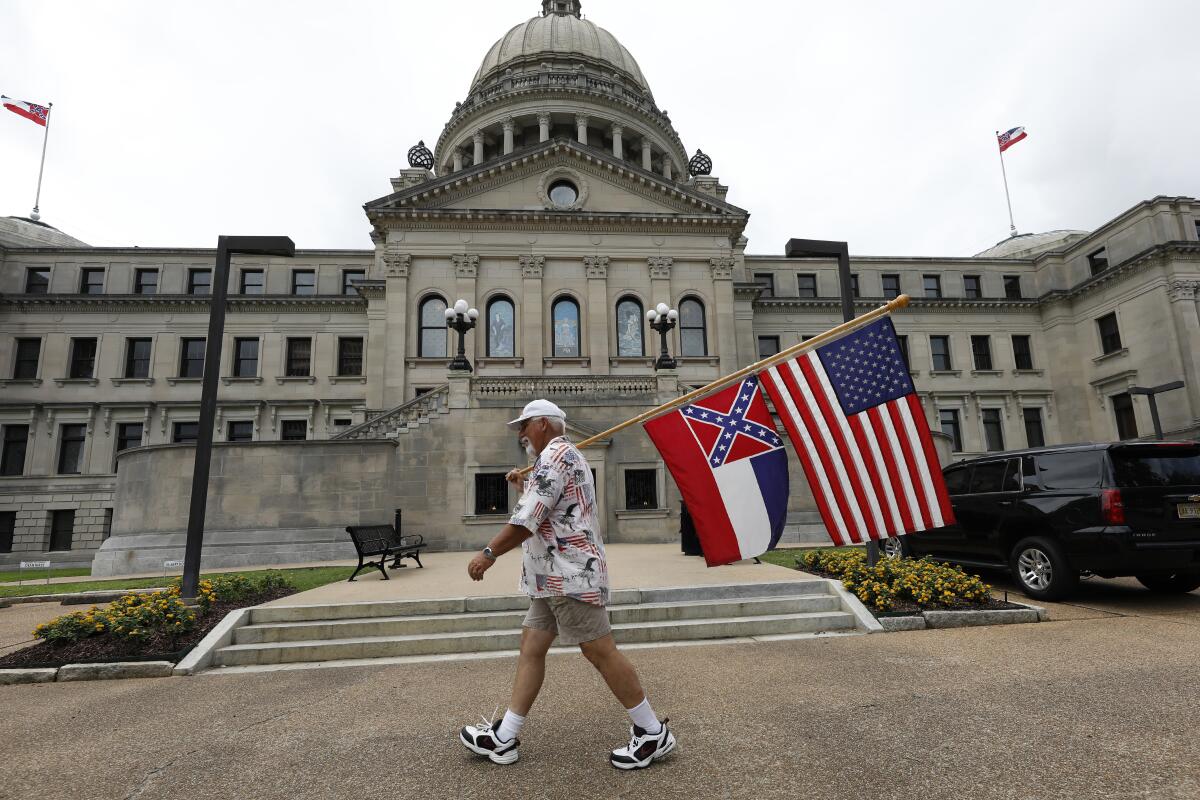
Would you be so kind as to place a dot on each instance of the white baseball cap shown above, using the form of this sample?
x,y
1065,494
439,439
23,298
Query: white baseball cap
x,y
537,408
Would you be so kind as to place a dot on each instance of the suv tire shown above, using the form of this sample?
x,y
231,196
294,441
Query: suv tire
x,y
1175,583
895,547
1041,570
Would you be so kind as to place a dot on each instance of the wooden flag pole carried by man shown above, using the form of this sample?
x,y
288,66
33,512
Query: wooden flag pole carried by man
x,y
40,115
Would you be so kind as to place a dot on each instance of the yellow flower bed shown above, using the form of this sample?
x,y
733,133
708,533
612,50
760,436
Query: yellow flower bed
x,y
898,580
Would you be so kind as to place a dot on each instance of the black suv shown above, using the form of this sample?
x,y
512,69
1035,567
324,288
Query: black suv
x,y
1053,513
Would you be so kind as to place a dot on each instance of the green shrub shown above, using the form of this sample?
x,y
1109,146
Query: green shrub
x,y
898,580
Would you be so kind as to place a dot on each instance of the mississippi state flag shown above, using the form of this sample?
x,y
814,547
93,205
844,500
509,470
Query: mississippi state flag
x,y
731,469
30,111
1010,137
853,416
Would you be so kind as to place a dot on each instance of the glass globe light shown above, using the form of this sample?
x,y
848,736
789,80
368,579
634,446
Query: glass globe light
x,y
461,306
651,315
473,314
449,315
673,314
661,308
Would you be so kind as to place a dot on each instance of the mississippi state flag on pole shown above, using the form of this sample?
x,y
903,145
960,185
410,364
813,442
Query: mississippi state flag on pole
x,y
1010,137
30,111
853,416
731,468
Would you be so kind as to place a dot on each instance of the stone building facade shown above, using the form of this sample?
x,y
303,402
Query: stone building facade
x,y
559,201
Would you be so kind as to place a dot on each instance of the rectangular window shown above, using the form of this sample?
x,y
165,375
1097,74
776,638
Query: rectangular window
x,y
129,435
16,442
199,281
1022,352
903,340
83,358
70,449
91,281
350,357
25,367
767,281
252,282
245,358
304,282
1110,334
145,281
341,423
191,358
1122,405
185,432
854,285
939,348
949,420
8,526
807,285
981,350
972,287
299,358
1034,435
349,276
1012,287
293,430
240,431
768,346
933,285
62,530
37,280
107,532
137,358
993,429
491,493
641,488
891,287
1098,261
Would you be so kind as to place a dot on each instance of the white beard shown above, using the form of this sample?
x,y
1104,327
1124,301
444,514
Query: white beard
x,y
529,451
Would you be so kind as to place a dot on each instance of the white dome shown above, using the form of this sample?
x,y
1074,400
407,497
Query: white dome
x,y
1029,244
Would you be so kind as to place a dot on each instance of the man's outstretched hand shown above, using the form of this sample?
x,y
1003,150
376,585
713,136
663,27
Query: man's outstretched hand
x,y
479,565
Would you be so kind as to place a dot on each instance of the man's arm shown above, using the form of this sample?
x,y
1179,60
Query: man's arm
x,y
507,539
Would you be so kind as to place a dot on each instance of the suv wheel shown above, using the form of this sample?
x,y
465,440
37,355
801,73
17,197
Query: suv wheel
x,y
1041,570
894,547
1177,583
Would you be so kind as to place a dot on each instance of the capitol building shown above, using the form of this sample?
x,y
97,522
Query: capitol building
x,y
561,202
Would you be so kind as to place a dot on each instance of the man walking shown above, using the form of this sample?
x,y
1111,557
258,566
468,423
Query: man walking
x,y
565,574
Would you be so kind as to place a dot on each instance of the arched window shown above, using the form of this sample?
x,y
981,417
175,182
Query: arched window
x,y
431,336
501,317
630,338
565,320
693,339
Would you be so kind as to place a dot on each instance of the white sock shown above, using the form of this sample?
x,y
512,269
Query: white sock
x,y
511,726
643,717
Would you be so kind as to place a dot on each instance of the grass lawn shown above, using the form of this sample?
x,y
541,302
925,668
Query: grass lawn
x,y
27,575
786,556
304,578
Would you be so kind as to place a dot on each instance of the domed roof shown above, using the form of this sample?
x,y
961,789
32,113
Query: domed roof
x,y
1029,244
560,31
25,232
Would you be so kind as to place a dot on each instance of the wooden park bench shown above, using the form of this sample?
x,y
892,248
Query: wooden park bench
x,y
385,541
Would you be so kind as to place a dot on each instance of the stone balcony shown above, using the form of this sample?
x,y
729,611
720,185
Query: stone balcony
x,y
521,389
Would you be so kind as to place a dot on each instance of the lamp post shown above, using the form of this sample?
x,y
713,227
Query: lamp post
x,y
461,317
1149,393
663,320
226,247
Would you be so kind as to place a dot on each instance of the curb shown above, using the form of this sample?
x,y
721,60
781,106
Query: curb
x,y
88,672
201,657
964,619
75,598
850,602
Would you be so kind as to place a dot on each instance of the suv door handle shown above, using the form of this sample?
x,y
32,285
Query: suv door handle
x,y
1004,503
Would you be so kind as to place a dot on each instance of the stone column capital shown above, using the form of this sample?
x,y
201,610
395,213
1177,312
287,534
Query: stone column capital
x,y
397,264
509,123
660,267
465,265
582,119
543,118
532,266
596,266
1183,290
722,268
618,129
477,137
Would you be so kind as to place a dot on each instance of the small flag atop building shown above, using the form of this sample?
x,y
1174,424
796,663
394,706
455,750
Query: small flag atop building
x,y
1010,137
30,111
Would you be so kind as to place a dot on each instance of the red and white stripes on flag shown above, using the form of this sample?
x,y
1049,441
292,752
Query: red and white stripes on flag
x,y
858,428
30,111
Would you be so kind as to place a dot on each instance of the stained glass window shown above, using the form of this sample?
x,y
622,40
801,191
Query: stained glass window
x,y
432,340
565,315
500,326
629,328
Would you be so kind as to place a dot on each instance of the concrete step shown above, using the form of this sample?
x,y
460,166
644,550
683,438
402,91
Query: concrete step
x,y
402,625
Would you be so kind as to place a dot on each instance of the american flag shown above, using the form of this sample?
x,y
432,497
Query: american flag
x,y
1010,137
853,416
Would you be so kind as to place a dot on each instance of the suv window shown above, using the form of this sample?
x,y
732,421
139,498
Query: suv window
x,y
1012,476
988,477
957,480
1079,470
1158,466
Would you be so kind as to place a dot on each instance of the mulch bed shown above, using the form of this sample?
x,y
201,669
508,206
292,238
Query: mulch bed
x,y
100,649
905,609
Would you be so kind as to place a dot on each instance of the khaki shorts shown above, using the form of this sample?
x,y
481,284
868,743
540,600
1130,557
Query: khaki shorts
x,y
574,621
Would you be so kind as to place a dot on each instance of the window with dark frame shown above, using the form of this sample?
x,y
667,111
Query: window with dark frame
x,y
25,365
933,285
1110,334
245,357
981,351
341,423
129,436
891,287
349,276
83,358
293,430
70,449
948,417
767,281
972,287
500,327
1122,405
199,281
491,493
432,333
854,292
903,340
350,356
993,429
16,443
252,282
191,358
939,349
693,335
304,282
240,431
37,280
767,346
8,527
91,281
106,531
1012,287
806,283
1098,261
62,530
1022,352
299,357
641,488
137,358
145,281
1035,436
565,338
185,432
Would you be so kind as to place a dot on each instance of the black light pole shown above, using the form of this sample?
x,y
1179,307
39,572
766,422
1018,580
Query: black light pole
x,y
226,247
663,320
1150,393
460,317
801,248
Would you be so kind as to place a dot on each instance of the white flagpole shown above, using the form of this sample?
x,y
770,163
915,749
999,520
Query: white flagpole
x,y
37,198
1012,226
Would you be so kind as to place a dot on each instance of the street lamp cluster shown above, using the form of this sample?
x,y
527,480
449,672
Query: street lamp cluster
x,y
461,317
663,320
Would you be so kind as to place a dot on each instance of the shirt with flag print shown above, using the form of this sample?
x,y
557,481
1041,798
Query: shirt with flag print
x,y
565,555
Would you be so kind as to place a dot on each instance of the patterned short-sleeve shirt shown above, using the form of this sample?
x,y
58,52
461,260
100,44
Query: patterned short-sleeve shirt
x,y
565,555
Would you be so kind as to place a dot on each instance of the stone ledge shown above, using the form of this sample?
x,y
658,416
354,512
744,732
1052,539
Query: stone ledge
x,y
963,619
913,623
115,670
11,677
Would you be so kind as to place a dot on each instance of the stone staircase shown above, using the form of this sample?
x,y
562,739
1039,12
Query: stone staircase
x,y
479,627
804,527
404,417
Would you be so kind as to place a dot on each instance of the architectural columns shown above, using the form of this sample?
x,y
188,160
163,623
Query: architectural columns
x,y
724,337
581,123
466,270
387,359
532,304
543,127
646,154
508,135
458,158
618,145
667,166
1186,313
596,268
478,139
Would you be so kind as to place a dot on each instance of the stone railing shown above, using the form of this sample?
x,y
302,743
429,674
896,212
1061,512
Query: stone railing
x,y
521,387
390,424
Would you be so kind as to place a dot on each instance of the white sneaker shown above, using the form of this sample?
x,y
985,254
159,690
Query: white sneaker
x,y
483,740
643,748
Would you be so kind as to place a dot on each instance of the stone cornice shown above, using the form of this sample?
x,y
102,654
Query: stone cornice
x,y
197,252
945,304
1156,255
121,303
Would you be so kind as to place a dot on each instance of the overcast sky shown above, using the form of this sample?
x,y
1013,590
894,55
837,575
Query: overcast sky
x,y
871,122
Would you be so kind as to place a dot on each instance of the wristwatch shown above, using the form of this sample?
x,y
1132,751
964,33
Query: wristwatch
x,y
488,554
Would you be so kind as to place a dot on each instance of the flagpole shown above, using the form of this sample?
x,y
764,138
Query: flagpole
x,y
1012,226
46,136
757,366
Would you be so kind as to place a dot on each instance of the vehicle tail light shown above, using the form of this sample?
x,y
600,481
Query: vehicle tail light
x,y
1112,507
